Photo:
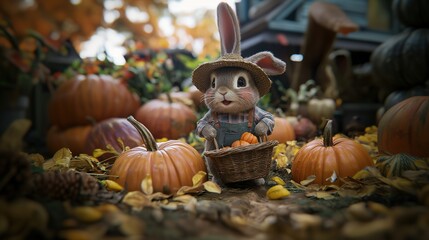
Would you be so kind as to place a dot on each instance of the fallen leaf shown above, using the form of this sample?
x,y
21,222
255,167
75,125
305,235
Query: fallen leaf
x,y
367,230
188,189
112,185
277,192
278,180
333,177
212,187
146,185
305,221
320,195
86,214
185,199
308,180
158,196
282,161
198,178
137,200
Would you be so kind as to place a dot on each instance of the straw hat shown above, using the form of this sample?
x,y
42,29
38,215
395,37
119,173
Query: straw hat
x,y
201,75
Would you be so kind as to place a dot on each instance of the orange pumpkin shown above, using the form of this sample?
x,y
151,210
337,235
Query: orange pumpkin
x,y
171,164
249,137
404,128
73,138
167,119
90,96
283,131
238,143
329,157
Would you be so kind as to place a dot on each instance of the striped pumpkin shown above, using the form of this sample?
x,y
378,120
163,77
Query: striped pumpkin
x,y
394,165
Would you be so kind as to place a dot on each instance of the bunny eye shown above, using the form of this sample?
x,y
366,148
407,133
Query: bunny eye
x,y
241,82
213,82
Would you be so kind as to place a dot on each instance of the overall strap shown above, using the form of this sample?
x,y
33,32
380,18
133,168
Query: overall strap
x,y
250,118
215,119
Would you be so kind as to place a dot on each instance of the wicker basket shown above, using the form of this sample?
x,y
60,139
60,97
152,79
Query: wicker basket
x,y
242,163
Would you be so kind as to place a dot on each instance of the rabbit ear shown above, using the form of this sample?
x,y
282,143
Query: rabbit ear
x,y
270,64
229,29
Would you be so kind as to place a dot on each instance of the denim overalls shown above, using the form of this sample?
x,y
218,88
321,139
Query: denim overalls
x,y
227,133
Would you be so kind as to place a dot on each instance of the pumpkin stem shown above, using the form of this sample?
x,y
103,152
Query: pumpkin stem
x,y
147,136
327,134
169,98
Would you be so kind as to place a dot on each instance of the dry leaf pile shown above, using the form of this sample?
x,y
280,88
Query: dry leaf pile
x,y
70,197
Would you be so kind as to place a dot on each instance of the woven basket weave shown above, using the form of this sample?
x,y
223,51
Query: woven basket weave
x,y
242,163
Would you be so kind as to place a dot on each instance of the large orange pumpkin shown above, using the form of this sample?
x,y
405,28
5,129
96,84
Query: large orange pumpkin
x,y
404,128
171,164
167,119
283,130
324,157
90,96
73,138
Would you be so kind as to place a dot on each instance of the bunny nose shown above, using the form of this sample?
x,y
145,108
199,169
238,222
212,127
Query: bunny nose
x,y
223,91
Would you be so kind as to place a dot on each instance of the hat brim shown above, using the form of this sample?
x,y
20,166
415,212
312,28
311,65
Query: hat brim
x,y
201,75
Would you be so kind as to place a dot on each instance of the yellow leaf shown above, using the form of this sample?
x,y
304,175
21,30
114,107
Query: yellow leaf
x,y
136,200
281,161
279,149
212,187
62,157
188,189
362,174
278,180
99,152
146,185
320,195
162,140
158,196
112,185
198,178
185,199
86,214
277,192
309,180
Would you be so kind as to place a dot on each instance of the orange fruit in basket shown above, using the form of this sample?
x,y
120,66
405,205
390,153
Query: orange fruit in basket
x,y
239,143
249,137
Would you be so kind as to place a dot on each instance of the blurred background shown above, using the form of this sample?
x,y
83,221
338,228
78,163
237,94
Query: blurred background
x,y
154,45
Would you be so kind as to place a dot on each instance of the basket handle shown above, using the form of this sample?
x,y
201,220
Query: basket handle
x,y
261,139
215,143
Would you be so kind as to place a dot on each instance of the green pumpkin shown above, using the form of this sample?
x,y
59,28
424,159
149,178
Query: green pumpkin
x,y
402,61
400,95
412,13
394,165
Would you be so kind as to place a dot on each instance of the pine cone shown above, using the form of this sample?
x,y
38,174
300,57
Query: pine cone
x,y
15,174
69,185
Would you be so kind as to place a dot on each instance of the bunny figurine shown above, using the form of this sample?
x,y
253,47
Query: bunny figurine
x,y
232,86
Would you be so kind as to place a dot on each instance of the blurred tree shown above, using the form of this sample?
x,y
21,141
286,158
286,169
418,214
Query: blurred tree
x,y
78,20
